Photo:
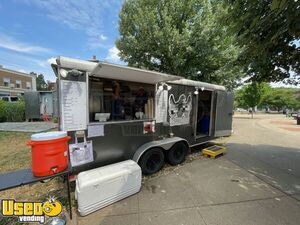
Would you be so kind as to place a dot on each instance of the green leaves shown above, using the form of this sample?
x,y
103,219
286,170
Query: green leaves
x,y
254,93
12,111
184,38
278,4
262,95
279,98
213,41
41,84
268,30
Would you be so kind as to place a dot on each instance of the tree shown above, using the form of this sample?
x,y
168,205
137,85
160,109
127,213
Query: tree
x,y
269,31
41,84
239,101
280,98
183,38
252,95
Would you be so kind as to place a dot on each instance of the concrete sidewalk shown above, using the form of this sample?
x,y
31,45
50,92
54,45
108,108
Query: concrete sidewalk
x,y
256,183
31,127
202,192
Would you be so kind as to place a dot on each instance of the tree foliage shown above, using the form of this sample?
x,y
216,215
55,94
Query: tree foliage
x,y
280,98
184,38
269,31
263,96
253,93
41,84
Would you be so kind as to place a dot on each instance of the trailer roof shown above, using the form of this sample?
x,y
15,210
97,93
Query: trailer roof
x,y
198,84
120,72
117,72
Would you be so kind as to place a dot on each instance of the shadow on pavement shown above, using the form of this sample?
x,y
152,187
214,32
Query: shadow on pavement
x,y
278,166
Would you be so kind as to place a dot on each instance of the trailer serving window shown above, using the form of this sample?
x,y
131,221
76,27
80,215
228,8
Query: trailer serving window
x,y
116,100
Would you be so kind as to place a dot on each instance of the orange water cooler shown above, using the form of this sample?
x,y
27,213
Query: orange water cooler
x,y
49,152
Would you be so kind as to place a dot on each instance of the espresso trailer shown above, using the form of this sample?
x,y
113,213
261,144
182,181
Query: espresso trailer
x,y
114,113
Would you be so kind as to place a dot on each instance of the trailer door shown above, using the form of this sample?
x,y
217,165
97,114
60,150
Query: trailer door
x,y
224,107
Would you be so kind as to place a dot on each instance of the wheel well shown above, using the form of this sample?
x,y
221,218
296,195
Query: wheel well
x,y
164,144
184,142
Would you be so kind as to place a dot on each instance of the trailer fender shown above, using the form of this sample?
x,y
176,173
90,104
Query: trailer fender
x,y
165,144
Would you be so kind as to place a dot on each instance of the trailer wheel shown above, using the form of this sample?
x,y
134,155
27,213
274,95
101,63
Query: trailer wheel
x,y
152,161
177,153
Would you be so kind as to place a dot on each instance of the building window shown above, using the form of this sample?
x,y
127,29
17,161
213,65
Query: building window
x,y
18,84
6,82
4,94
28,85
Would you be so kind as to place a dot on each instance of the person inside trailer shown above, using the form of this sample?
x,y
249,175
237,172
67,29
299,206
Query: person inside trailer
x,y
117,112
140,102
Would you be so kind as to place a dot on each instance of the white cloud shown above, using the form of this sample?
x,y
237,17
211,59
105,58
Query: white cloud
x,y
112,55
51,60
81,15
41,63
8,42
103,37
23,71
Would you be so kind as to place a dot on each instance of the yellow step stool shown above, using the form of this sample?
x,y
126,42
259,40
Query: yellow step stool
x,y
214,151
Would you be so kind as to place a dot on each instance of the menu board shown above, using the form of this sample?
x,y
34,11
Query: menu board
x,y
73,105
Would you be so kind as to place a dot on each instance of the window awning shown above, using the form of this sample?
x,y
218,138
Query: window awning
x,y
198,84
119,72
116,72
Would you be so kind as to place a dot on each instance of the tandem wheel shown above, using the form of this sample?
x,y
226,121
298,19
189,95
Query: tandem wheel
x,y
152,161
177,153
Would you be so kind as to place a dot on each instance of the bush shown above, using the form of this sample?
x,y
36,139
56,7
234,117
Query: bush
x,y
3,111
12,111
55,119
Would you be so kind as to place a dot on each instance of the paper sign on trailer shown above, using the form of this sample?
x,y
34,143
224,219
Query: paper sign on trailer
x,y
73,105
81,153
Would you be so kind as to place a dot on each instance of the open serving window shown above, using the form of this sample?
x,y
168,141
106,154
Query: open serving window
x,y
121,93
92,92
117,100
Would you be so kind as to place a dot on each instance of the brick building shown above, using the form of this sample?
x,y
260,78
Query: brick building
x,y
14,83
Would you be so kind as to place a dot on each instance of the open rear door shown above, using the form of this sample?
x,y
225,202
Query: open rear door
x,y
224,107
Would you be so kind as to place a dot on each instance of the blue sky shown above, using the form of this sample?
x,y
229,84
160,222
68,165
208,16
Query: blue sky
x,y
32,32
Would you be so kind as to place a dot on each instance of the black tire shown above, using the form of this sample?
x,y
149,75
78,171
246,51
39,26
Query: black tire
x,y
152,161
177,153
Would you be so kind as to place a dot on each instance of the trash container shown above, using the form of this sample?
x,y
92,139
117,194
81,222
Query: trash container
x,y
298,118
49,152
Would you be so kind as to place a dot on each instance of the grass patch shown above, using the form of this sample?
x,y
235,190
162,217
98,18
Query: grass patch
x,y
14,153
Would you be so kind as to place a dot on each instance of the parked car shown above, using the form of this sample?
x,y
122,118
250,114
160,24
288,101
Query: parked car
x,y
10,98
241,110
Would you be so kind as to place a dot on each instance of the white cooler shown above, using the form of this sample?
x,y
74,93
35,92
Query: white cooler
x,y
103,186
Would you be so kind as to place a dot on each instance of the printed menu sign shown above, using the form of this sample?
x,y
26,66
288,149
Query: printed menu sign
x,y
73,105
